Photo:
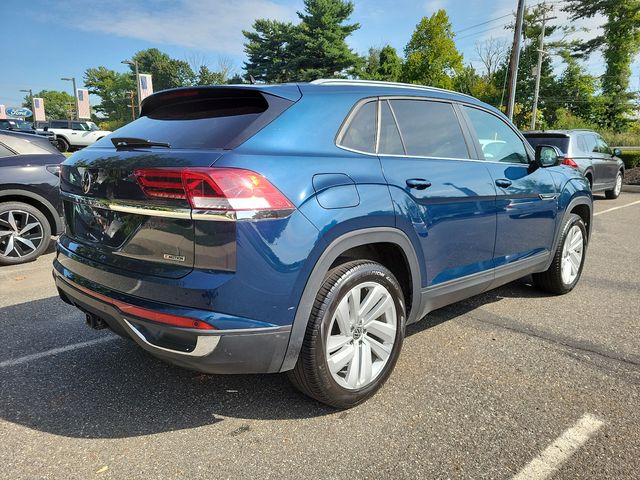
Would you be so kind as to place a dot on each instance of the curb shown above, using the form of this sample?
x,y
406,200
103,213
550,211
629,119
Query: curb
x,y
631,188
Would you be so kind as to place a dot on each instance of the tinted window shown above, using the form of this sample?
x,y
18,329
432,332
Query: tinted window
x,y
5,152
590,143
430,129
360,133
499,143
602,145
59,125
203,123
390,142
561,142
29,144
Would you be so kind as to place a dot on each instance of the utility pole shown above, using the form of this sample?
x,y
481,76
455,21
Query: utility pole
x,y
515,60
541,53
133,108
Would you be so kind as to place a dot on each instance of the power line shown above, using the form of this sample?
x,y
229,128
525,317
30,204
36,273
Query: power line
x,y
483,31
483,23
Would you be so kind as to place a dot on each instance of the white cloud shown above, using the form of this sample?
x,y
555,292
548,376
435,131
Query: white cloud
x,y
207,25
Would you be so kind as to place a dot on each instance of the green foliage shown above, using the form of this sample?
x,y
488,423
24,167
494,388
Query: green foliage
x,y
165,71
567,120
631,158
382,64
431,56
112,87
208,77
57,105
315,48
619,42
576,88
621,139
269,51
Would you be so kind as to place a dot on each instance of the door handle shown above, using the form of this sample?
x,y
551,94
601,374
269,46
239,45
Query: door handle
x,y
418,183
503,182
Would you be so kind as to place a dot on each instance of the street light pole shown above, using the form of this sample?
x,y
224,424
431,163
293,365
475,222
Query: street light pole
x,y
135,66
75,94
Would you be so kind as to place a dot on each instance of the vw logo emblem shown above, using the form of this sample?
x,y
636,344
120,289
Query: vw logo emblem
x,y
86,181
358,332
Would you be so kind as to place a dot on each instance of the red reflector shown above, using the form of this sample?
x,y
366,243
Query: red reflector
x,y
167,319
225,189
570,163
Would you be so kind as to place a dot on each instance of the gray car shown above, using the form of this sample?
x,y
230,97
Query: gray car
x,y
586,151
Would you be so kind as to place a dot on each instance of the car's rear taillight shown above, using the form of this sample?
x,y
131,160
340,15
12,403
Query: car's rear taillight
x,y
218,189
569,162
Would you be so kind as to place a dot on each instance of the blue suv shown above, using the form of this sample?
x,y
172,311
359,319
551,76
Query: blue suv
x,y
300,228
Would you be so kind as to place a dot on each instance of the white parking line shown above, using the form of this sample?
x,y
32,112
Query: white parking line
x,y
550,460
616,208
55,351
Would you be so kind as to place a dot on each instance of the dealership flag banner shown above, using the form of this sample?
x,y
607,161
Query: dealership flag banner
x,y
38,110
3,112
146,86
84,107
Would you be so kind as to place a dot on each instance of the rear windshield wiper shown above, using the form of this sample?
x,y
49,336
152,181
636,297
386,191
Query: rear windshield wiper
x,y
131,142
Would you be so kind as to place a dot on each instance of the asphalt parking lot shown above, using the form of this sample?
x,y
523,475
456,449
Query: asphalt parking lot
x,y
510,381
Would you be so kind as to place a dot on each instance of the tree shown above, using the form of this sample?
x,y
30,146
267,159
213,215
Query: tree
x,y
113,89
320,40
165,71
492,53
269,52
577,89
316,47
431,54
57,105
619,43
382,64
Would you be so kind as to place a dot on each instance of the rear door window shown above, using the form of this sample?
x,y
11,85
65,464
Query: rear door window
x,y
360,133
498,141
430,129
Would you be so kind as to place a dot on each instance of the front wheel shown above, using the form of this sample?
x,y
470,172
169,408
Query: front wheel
x,y
617,188
353,337
565,269
62,144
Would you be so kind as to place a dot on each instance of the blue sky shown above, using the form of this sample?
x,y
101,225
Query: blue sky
x,y
47,40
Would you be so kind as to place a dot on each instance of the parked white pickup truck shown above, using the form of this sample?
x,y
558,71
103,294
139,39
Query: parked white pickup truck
x,y
72,134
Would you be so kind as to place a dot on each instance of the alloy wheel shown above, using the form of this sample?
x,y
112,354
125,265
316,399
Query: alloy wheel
x,y
618,187
20,234
361,335
572,253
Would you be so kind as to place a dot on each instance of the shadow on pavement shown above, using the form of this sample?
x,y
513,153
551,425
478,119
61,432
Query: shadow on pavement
x,y
115,389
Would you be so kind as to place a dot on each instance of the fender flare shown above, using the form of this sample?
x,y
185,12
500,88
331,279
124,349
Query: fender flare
x,y
336,248
51,211
577,199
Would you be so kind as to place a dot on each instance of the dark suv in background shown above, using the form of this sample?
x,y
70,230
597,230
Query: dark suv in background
x,y
299,228
30,206
587,152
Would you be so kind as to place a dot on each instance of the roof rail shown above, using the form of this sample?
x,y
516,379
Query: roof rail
x,y
379,83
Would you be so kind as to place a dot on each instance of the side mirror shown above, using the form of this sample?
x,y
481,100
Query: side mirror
x,y
617,152
547,155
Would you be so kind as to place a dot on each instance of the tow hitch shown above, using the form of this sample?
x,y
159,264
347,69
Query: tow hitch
x,y
96,322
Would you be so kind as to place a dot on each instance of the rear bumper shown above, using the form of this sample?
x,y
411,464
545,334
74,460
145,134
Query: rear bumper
x,y
252,350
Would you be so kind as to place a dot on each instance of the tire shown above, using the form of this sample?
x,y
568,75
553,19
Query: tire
x,y
17,244
62,144
555,279
615,191
318,372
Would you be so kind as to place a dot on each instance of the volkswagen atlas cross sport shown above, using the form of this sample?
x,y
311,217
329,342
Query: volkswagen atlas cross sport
x,y
299,228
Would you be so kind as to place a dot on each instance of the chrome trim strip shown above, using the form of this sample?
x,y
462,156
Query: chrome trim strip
x,y
205,344
548,196
178,213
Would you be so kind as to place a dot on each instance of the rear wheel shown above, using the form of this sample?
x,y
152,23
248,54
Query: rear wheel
x,y
617,188
353,337
24,233
62,144
565,270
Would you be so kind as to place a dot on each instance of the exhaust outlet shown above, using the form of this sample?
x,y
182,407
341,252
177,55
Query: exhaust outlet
x,y
96,322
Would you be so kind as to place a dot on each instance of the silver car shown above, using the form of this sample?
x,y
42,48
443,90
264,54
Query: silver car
x,y
586,151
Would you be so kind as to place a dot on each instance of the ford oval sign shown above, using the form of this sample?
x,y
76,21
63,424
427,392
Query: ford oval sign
x,y
19,112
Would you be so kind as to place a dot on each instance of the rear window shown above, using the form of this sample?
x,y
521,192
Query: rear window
x,y
195,122
561,142
29,144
